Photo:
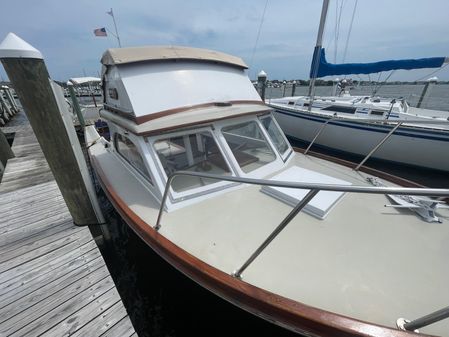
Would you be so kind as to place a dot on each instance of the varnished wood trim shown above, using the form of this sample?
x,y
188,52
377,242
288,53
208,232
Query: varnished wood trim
x,y
149,117
205,122
283,311
128,115
142,119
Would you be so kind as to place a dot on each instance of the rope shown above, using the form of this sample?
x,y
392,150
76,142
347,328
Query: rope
x,y
258,35
433,72
349,31
382,84
337,26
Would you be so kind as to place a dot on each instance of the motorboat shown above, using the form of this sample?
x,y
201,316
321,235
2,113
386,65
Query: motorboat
x,y
207,179
386,129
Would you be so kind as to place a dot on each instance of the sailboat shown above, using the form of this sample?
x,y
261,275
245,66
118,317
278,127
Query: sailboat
x,y
366,126
207,179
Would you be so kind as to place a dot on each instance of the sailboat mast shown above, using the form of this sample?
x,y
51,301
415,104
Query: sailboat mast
x,y
317,53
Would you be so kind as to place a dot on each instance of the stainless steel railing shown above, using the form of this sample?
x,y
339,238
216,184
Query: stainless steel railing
x,y
314,189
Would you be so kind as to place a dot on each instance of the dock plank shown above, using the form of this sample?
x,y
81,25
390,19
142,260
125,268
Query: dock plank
x,y
37,320
12,280
26,236
103,322
81,317
49,292
76,239
39,246
43,261
53,279
123,328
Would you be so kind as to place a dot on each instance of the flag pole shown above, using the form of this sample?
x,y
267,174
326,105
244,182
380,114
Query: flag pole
x,y
111,13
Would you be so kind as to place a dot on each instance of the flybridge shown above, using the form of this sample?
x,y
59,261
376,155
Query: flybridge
x,y
145,83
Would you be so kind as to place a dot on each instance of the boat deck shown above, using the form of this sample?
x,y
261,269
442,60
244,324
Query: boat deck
x,y
53,279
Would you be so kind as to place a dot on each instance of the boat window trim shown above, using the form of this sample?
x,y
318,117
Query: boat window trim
x,y
265,168
146,175
177,196
284,156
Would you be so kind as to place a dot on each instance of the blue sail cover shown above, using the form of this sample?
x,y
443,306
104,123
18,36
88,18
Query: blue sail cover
x,y
326,69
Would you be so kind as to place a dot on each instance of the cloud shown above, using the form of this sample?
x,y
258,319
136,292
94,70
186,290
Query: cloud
x,y
382,29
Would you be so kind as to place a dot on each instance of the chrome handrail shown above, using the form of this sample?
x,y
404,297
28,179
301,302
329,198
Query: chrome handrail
x,y
314,189
318,133
379,144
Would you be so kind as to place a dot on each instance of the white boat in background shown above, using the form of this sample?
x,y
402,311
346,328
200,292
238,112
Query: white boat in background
x,y
83,105
199,169
360,124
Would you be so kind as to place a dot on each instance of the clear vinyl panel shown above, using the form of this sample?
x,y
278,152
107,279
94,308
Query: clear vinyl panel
x,y
197,152
249,146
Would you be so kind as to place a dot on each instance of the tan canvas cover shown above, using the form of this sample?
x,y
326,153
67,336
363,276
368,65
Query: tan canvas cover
x,y
115,56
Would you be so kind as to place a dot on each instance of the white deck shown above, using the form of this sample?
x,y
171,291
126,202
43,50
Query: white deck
x,y
364,260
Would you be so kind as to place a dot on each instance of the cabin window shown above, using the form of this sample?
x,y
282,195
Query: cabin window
x,y
197,152
275,133
249,146
128,150
113,93
339,108
377,112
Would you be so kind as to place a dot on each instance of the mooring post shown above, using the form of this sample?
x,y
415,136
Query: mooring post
x,y
429,84
10,98
76,105
261,83
293,88
29,76
5,150
5,105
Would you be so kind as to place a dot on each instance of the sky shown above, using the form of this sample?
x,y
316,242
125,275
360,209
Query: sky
x,y
381,30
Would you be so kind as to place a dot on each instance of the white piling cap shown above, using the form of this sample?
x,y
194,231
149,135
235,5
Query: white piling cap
x,y
262,74
14,47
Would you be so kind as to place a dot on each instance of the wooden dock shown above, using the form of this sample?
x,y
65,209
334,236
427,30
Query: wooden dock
x,y
53,279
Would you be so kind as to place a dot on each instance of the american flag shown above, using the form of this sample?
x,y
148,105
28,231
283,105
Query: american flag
x,y
100,32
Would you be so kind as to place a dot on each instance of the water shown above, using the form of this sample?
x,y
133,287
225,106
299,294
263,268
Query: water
x,y
437,97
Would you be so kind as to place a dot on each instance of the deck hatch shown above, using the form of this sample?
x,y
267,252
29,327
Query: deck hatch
x,y
320,205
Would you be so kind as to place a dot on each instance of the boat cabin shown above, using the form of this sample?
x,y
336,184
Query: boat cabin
x,y
177,108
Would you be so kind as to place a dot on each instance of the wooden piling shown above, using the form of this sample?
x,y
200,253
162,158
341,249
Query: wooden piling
x,y
30,78
6,107
11,99
293,88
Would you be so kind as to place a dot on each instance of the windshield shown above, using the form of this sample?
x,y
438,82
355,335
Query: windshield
x,y
275,134
249,146
196,152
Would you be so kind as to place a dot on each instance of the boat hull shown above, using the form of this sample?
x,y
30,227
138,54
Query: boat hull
x,y
416,146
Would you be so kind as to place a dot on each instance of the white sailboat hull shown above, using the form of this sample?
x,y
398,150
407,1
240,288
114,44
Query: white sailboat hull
x,y
417,146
